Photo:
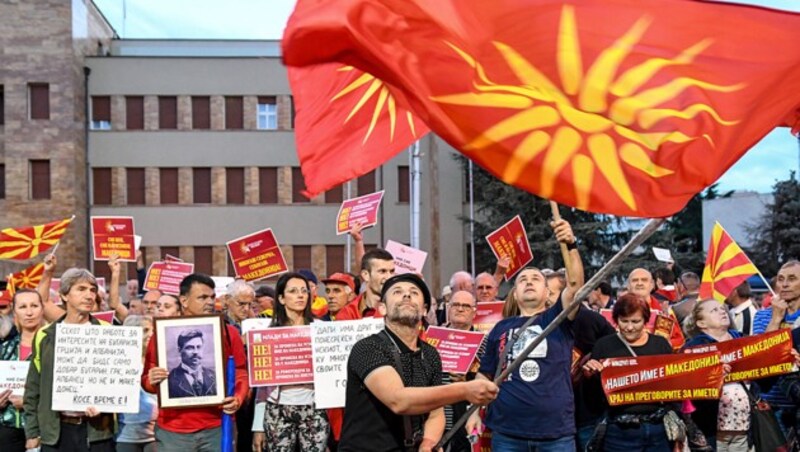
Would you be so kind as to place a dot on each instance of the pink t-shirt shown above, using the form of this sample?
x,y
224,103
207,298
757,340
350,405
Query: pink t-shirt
x,y
24,352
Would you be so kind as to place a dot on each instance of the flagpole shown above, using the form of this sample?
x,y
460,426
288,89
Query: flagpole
x,y
563,246
348,251
471,220
649,229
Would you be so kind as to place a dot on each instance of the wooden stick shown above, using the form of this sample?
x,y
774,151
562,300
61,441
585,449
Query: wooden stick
x,y
563,246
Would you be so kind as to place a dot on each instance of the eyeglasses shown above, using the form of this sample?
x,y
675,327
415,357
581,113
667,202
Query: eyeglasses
x,y
458,306
296,290
485,287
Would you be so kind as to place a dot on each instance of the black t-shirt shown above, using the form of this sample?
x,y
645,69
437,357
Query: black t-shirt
x,y
588,327
368,423
612,347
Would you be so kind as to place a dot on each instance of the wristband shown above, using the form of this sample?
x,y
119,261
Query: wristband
x,y
572,246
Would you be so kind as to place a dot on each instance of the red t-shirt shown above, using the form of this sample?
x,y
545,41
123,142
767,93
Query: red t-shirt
x,y
189,420
351,311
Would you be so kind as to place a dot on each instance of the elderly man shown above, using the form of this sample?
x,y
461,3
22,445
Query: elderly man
x,y
135,307
640,282
339,290
132,288
785,308
149,301
461,280
394,375
485,288
239,296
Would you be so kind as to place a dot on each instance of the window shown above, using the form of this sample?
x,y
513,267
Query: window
x,y
267,113
2,105
203,260
101,186
403,184
234,185
168,185
302,256
39,100
298,185
101,113
135,182
268,185
40,179
2,181
366,183
334,258
202,185
335,195
134,112
234,112
201,112
167,112
173,251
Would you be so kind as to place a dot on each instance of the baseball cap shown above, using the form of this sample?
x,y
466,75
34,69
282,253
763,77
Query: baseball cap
x,y
407,277
309,275
265,291
5,298
446,290
341,278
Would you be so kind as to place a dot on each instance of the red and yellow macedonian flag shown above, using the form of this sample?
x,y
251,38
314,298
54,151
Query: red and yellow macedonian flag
x,y
627,107
26,243
726,266
347,123
26,279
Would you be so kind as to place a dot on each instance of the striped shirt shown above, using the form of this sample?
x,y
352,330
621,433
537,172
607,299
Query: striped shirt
x,y
775,396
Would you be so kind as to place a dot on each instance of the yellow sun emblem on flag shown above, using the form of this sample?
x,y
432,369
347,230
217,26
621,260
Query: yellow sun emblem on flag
x,y
380,91
582,114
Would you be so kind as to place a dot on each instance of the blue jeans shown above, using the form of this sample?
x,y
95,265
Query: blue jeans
x,y
208,440
644,437
505,443
584,435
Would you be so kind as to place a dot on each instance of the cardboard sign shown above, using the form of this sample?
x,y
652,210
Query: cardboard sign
x,y
280,356
331,343
363,209
221,284
487,315
167,276
511,240
406,258
97,366
663,254
171,258
112,235
255,324
106,316
13,375
456,348
257,256
754,357
662,378
651,324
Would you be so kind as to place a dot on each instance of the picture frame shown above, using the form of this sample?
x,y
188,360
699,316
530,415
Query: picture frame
x,y
191,350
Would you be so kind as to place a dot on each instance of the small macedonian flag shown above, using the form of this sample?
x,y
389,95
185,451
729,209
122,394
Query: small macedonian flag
x,y
26,279
27,243
726,266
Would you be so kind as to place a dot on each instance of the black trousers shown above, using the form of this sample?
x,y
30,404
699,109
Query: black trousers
x,y
12,439
73,438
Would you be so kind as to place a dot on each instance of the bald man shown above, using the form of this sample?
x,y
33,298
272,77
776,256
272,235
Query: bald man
x,y
641,283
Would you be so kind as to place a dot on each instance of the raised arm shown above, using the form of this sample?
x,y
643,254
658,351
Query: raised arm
x,y
358,238
52,312
114,301
575,278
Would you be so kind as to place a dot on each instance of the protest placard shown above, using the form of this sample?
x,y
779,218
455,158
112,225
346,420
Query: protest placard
x,y
97,366
487,315
331,343
255,324
363,209
113,235
662,378
754,357
511,241
406,258
167,276
221,284
456,348
13,375
662,254
280,356
257,256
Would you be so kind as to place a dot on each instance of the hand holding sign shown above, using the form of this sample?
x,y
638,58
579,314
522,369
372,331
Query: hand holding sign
x,y
511,241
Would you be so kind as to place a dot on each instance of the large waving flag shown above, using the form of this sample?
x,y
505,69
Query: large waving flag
x,y
26,279
26,243
726,266
347,123
627,107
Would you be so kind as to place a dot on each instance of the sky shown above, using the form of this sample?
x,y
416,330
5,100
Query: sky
x,y
769,161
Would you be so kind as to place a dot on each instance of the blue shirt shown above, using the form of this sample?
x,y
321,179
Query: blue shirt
x,y
536,400
763,317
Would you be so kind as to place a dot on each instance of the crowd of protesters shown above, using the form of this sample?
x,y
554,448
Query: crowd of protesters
x,y
397,396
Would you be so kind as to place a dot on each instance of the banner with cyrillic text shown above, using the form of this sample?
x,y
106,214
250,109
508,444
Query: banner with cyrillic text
x,y
13,375
456,348
167,276
331,343
363,209
406,259
662,378
257,256
280,356
487,315
754,357
511,241
113,235
97,366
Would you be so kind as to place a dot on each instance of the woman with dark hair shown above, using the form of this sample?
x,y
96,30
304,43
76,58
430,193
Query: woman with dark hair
x,y
637,427
291,421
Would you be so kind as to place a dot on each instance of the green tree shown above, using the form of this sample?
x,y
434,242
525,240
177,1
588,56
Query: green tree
x,y
774,237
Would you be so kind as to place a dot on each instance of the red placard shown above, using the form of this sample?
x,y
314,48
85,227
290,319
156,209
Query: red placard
x,y
487,315
456,348
363,209
651,324
511,240
662,378
280,356
106,316
167,276
754,357
257,256
113,235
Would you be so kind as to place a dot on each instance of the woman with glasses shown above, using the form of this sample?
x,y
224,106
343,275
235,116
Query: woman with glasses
x,y
291,421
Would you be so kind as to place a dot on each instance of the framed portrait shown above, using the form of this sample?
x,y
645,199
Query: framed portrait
x,y
190,348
